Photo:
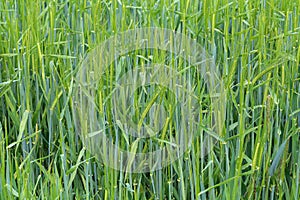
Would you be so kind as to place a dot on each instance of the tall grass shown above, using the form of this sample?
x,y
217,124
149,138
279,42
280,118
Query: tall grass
x,y
256,47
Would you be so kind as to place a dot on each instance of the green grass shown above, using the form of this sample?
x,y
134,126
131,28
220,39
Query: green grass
x,y
257,50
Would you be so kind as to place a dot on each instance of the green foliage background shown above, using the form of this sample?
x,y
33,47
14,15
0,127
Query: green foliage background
x,y
256,46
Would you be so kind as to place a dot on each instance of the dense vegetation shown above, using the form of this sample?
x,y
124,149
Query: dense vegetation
x,y
255,45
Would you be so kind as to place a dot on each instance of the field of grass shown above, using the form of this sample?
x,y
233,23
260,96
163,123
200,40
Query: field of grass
x,y
256,47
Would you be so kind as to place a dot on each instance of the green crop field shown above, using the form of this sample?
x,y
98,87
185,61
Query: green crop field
x,y
253,153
